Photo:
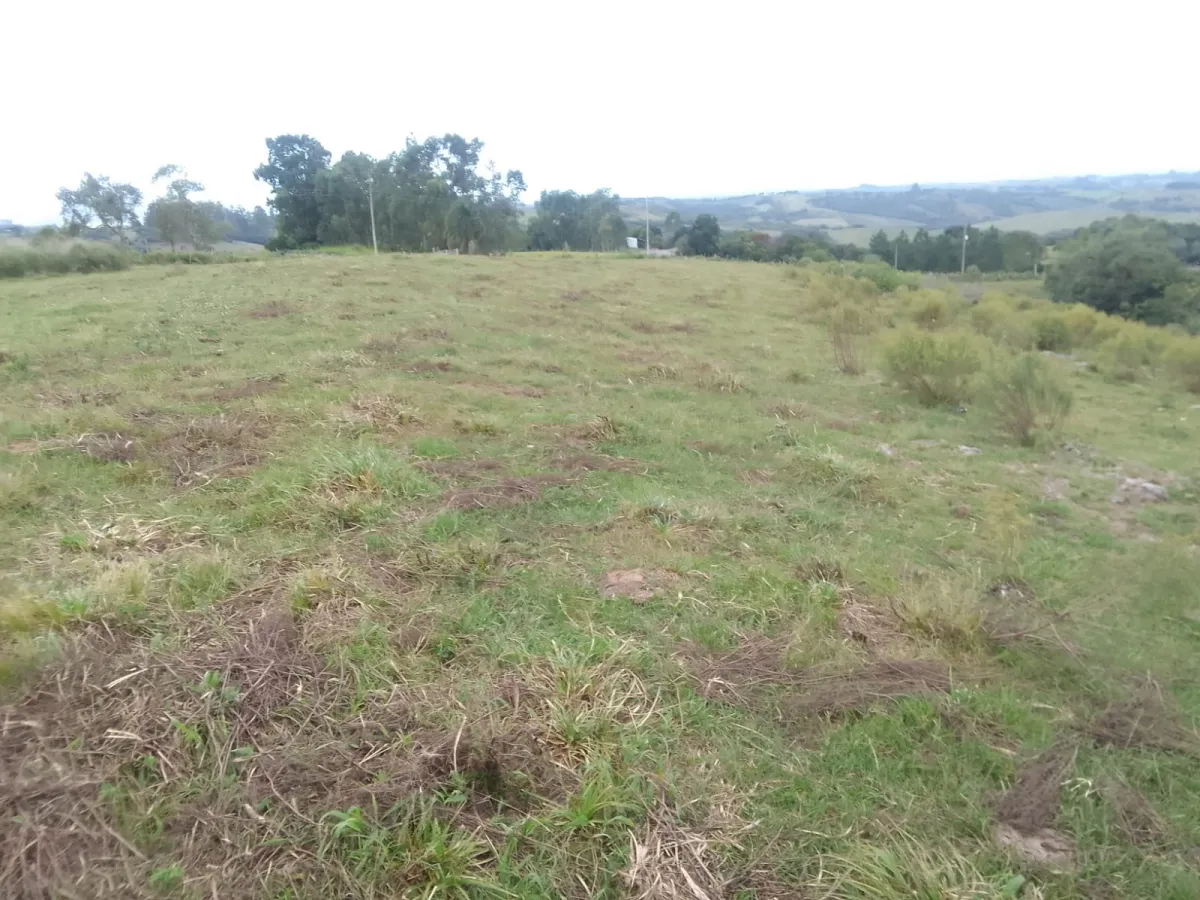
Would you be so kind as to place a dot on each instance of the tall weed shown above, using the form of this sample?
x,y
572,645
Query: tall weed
x,y
1029,397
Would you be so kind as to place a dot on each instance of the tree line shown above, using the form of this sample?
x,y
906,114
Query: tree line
x,y
988,250
101,207
1134,267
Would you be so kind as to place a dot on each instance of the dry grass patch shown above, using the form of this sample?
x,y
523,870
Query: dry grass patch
x,y
1149,719
504,493
595,462
251,387
200,450
381,412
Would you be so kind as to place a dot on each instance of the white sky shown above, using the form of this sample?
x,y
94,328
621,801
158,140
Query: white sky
x,y
670,98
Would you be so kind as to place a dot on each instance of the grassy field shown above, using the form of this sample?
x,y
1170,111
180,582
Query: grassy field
x,y
571,576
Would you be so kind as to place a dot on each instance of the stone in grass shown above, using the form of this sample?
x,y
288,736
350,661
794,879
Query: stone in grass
x,y
637,585
1139,489
966,450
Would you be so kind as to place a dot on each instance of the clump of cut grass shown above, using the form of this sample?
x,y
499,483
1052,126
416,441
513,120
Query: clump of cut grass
x,y
380,411
945,613
910,868
935,368
850,479
723,382
477,426
1029,396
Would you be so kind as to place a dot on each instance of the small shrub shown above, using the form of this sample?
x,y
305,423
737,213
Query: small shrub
x,y
1029,396
848,326
1051,332
1125,356
989,314
1183,360
1081,322
934,368
884,277
934,309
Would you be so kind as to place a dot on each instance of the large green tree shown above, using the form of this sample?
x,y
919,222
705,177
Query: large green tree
x,y
293,168
703,237
111,204
176,218
567,220
1116,272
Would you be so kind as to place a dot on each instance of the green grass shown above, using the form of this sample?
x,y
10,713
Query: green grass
x,y
305,596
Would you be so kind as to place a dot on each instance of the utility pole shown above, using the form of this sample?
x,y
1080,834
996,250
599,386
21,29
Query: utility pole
x,y
371,201
647,225
963,270
896,256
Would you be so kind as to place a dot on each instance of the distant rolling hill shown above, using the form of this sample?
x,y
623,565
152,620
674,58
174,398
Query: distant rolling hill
x,y
852,216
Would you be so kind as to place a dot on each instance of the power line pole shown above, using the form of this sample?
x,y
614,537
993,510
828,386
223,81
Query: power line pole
x,y
963,270
896,255
647,225
371,201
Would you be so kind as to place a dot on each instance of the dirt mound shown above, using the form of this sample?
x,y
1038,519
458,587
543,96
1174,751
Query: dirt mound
x,y
504,493
1028,809
1033,800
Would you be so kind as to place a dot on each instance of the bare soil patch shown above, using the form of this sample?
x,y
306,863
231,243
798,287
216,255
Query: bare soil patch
x,y
594,462
251,387
272,310
508,390
461,469
430,366
504,493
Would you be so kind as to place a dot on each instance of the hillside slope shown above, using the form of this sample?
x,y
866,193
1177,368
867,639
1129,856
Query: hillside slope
x,y
573,576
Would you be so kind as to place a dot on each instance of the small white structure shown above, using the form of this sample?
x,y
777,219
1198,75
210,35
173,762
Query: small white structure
x,y
631,243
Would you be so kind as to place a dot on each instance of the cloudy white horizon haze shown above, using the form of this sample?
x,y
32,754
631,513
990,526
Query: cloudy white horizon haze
x,y
667,98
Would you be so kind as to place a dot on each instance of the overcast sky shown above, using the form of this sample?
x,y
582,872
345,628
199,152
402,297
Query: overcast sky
x,y
675,99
